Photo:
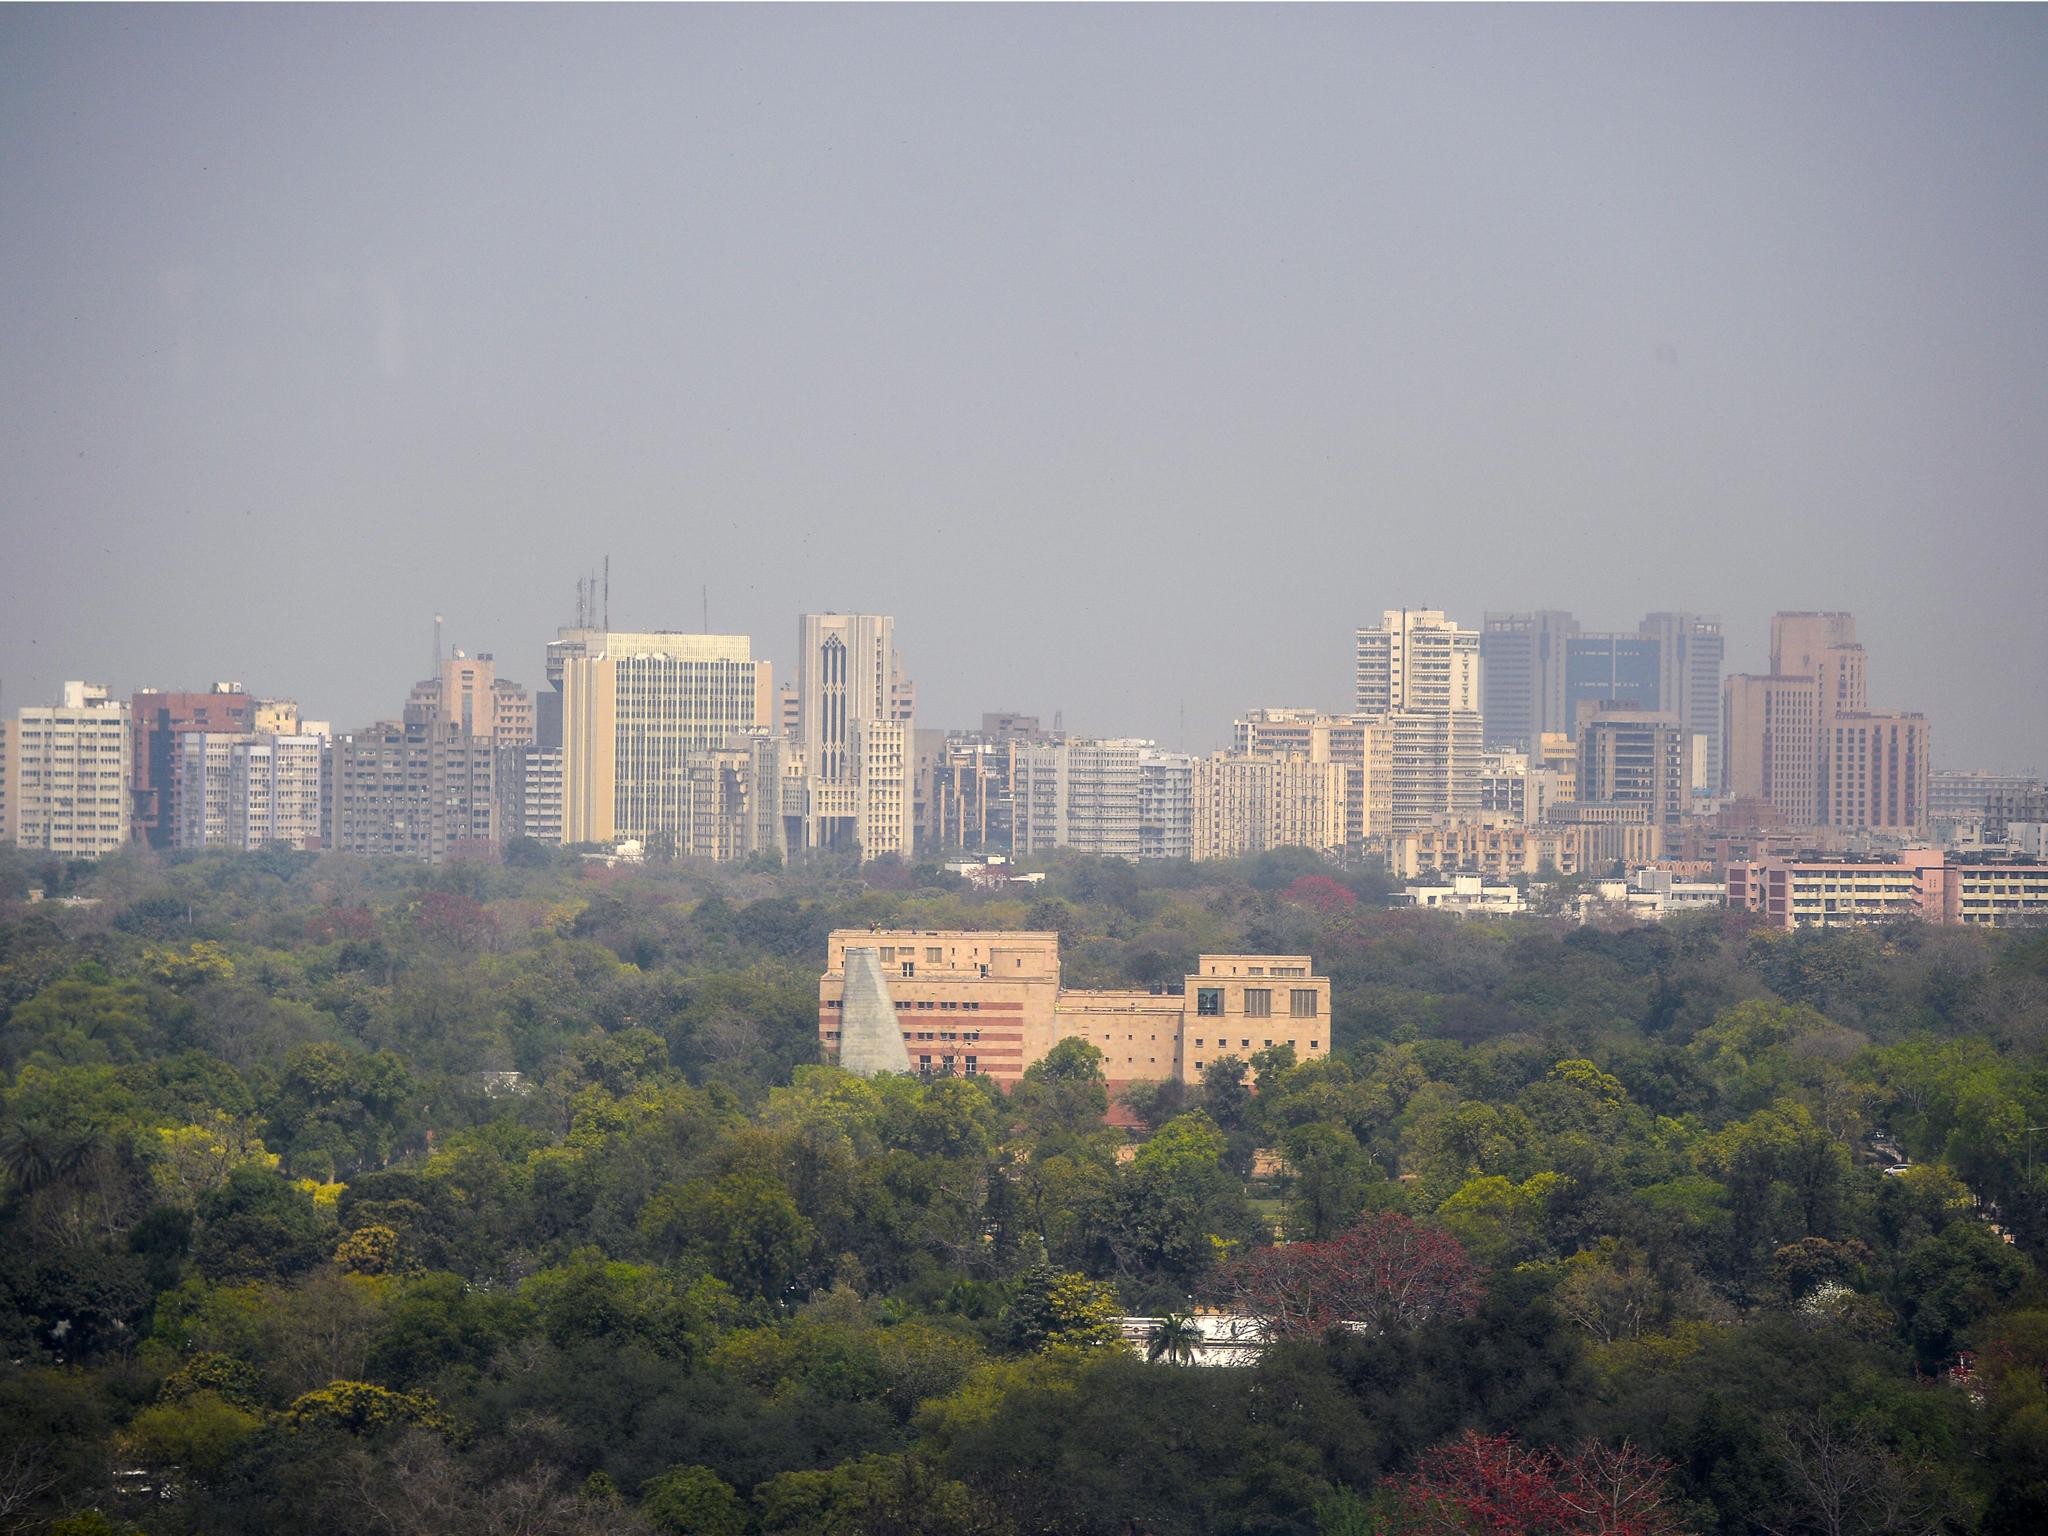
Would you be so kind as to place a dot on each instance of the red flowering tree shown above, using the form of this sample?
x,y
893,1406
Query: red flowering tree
x,y
1491,1484
1387,1272
1322,893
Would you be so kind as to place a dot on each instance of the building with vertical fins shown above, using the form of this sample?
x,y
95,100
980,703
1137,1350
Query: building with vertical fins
x,y
854,728
634,707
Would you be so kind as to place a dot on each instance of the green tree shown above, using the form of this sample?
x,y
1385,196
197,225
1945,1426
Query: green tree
x,y
1054,1310
693,1501
257,1226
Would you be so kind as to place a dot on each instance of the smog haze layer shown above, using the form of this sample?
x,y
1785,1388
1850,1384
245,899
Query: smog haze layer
x,y
1129,358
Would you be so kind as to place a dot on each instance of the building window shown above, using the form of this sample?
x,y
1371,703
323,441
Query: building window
x,y
1258,1002
1302,1002
909,968
934,956
1208,1000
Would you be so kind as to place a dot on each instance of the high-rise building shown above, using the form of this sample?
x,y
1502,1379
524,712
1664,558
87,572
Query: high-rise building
x,y
1248,804
1822,646
420,791
1965,794
1690,652
1771,743
1541,670
1166,805
66,775
529,786
634,706
1431,772
1361,745
1639,757
156,720
1416,659
1080,794
1877,772
854,730
1805,739
1522,670
467,694
960,791
247,790
1609,671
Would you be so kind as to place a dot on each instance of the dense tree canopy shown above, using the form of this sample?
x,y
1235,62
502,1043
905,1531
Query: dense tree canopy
x,y
341,1196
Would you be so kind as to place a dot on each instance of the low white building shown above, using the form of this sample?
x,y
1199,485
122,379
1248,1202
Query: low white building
x,y
1221,1338
1467,895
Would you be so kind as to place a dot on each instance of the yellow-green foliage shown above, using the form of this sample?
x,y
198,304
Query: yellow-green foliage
x,y
371,1250
363,1408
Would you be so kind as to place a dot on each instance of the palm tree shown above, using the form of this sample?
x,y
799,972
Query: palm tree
x,y
1174,1338
33,1156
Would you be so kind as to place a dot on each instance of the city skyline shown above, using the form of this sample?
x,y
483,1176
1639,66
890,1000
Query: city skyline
x,y
1025,329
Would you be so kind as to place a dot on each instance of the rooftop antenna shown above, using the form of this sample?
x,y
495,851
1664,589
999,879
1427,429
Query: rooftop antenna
x,y
607,594
437,645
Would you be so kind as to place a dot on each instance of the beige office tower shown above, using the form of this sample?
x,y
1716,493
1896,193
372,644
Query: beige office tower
x,y
1877,771
1770,743
635,706
65,772
854,731
467,694
1362,746
1822,646
1806,740
1417,659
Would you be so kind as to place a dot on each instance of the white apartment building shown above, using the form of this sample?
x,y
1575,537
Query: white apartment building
x,y
1166,805
1248,804
64,775
1080,794
246,790
1417,659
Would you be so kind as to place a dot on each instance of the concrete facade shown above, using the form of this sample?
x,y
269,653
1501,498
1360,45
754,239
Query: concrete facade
x,y
247,790
634,707
1416,659
66,775
1248,804
156,720
1639,757
413,791
989,1004
854,728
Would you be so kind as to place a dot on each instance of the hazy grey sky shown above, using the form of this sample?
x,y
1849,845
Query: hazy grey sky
x,y
1128,357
